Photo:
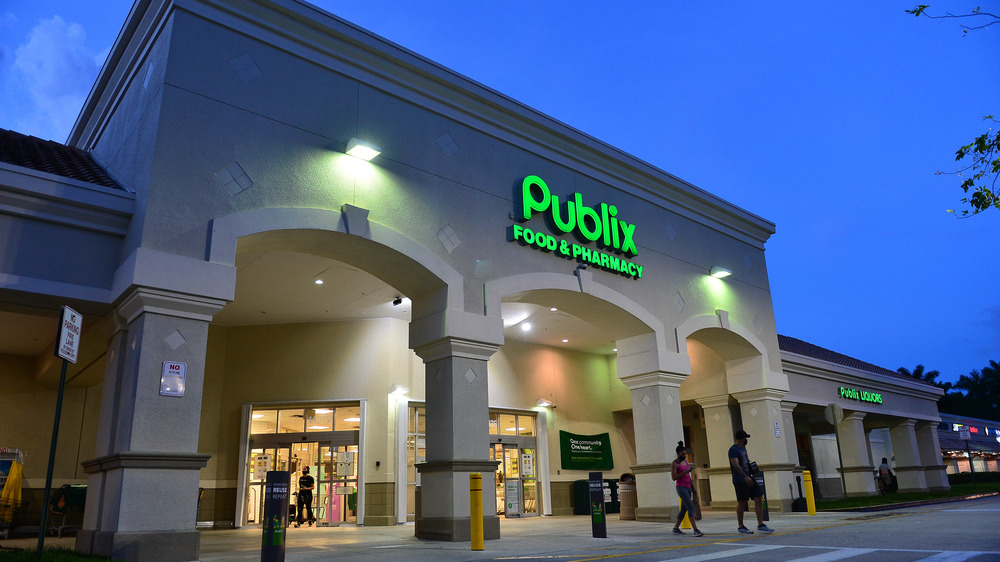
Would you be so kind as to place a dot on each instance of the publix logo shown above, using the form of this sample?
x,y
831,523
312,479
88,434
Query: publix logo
x,y
599,224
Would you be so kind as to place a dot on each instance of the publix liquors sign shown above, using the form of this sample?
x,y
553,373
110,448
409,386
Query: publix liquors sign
x,y
599,224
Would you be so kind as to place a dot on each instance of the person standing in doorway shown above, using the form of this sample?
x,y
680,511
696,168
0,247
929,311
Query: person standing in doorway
x,y
306,485
884,476
680,471
746,486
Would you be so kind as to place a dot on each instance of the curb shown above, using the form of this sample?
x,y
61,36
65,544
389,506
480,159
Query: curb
x,y
902,505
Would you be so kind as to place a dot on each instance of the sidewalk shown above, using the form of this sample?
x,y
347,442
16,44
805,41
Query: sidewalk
x,y
528,537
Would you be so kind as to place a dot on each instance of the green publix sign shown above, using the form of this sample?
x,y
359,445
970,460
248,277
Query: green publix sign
x,y
599,225
862,395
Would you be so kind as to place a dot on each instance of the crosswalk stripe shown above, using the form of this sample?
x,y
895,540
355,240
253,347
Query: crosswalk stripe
x,y
952,556
726,553
838,554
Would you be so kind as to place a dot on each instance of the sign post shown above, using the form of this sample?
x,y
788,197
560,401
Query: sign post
x,y
598,524
834,414
966,436
67,348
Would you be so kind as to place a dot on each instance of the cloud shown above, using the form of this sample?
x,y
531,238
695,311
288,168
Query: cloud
x,y
57,70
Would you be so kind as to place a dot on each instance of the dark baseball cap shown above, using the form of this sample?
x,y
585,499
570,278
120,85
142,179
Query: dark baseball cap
x,y
742,434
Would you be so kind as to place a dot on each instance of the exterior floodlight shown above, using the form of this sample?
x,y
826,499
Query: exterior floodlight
x,y
399,390
363,150
720,272
544,403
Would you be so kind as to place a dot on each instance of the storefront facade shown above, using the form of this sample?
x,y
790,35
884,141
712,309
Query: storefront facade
x,y
490,283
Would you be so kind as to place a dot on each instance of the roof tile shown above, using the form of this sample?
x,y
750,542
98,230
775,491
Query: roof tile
x,y
52,157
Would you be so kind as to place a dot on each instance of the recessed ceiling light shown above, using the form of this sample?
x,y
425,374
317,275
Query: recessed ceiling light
x,y
553,309
319,427
526,327
615,349
565,341
352,419
318,281
323,410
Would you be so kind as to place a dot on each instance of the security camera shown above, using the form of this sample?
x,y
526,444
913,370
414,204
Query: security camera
x,y
582,266
397,301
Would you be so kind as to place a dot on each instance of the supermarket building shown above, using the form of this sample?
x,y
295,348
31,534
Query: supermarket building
x,y
494,292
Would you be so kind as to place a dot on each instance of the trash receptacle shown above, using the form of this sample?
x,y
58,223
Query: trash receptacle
x,y
627,496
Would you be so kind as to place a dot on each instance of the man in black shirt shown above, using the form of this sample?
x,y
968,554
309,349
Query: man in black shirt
x,y
745,484
306,485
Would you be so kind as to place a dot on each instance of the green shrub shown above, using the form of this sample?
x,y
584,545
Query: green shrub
x,y
966,477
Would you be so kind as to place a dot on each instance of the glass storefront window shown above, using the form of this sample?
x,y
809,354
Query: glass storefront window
x,y
319,419
494,423
263,421
508,424
348,418
526,425
291,421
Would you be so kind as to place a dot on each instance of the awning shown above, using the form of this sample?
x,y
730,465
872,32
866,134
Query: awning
x,y
977,443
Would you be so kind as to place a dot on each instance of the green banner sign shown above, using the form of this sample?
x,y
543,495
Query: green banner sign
x,y
585,452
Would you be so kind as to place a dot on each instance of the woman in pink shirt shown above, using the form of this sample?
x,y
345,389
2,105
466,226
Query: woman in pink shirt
x,y
680,471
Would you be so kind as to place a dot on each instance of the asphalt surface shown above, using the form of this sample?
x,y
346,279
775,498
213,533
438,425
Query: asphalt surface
x,y
954,531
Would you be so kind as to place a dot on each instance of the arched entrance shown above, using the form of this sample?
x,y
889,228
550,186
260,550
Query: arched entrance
x,y
734,385
601,359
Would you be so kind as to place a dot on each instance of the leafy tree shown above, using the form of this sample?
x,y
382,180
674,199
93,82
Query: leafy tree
x,y
919,373
982,388
981,172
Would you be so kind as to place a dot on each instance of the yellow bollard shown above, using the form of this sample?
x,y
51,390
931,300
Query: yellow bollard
x,y
807,482
476,509
686,523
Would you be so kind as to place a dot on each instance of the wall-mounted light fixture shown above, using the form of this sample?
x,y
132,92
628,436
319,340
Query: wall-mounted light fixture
x,y
543,403
399,390
397,301
719,272
363,150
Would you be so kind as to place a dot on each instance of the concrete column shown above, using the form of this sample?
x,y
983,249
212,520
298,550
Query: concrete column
x,y
719,433
457,400
859,472
935,472
143,486
909,468
771,440
656,414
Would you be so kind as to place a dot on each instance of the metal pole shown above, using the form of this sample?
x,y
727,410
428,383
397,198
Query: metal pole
x,y
972,465
52,460
840,457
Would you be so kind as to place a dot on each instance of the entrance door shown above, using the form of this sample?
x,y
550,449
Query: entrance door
x,y
337,485
334,468
516,483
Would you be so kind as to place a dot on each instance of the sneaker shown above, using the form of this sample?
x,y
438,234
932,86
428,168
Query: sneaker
x,y
678,531
764,529
699,534
745,531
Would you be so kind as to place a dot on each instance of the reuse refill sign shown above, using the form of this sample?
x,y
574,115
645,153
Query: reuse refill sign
x,y
585,452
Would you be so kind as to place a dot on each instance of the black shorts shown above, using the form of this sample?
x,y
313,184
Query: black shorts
x,y
744,492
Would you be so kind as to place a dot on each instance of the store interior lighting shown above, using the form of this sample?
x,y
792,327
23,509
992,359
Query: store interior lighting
x,y
719,272
363,150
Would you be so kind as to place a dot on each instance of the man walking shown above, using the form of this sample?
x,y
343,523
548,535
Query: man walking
x,y
746,486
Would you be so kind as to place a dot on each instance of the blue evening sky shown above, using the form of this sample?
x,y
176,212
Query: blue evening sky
x,y
828,118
